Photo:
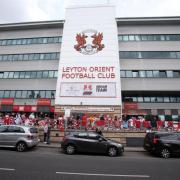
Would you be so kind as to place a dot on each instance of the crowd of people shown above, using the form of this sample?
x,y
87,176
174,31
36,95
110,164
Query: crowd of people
x,y
91,122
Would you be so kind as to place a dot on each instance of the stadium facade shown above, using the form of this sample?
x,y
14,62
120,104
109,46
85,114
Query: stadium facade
x,y
148,65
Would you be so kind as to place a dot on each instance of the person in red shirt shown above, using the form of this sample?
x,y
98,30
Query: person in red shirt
x,y
7,120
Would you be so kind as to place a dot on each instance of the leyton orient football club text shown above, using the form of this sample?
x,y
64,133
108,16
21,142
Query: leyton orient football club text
x,y
92,72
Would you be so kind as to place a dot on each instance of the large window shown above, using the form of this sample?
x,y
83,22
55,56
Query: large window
x,y
28,74
27,94
149,54
149,37
30,56
150,74
27,41
152,99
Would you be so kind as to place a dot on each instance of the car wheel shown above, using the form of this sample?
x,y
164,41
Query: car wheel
x,y
21,146
112,151
165,153
70,149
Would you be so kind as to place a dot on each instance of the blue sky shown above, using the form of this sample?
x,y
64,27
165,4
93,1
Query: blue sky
x,y
42,10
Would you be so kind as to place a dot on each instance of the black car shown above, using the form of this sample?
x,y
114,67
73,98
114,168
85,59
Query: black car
x,y
164,144
90,142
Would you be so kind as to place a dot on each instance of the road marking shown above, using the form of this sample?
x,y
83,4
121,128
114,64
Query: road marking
x,y
6,169
108,175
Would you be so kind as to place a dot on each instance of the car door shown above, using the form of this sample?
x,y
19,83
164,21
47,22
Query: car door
x,y
11,136
173,142
3,130
81,141
96,143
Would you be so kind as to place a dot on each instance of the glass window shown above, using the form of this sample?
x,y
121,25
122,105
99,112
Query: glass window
x,y
123,73
42,56
140,99
166,99
11,74
22,75
53,94
5,57
1,74
18,94
42,94
6,74
125,38
27,74
176,74
36,94
128,73
147,99
160,99
137,37
47,56
50,40
45,40
169,73
45,74
149,73
33,74
25,57
12,94
162,74
142,73
31,56
131,38
153,99
144,37
16,75
173,99
36,56
1,57
1,94
24,94
55,74
135,73
51,74
48,94
39,74
6,94
56,39
24,41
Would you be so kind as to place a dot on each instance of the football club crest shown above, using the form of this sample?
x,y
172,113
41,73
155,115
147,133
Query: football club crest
x,y
89,42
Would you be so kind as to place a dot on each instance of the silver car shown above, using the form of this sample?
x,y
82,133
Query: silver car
x,y
19,137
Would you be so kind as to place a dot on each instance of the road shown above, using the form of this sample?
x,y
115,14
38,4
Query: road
x,y
49,164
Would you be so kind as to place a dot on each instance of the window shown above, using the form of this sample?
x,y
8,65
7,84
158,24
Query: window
x,y
48,94
142,74
18,94
176,74
169,73
135,73
123,74
12,94
39,74
22,75
147,99
128,73
149,73
24,94
140,99
45,74
51,74
42,94
16,75
82,135
6,94
11,74
1,94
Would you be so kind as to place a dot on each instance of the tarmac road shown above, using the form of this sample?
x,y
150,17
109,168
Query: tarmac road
x,y
49,164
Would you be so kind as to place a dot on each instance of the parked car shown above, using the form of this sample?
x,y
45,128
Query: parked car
x,y
90,142
164,144
19,137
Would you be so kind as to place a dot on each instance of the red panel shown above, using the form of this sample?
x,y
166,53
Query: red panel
x,y
44,102
7,101
130,105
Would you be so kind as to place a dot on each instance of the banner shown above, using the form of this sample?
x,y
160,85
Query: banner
x,y
88,90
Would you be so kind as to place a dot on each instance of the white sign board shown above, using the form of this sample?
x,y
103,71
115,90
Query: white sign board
x,y
89,68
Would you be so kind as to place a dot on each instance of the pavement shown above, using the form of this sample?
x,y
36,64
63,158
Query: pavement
x,y
58,145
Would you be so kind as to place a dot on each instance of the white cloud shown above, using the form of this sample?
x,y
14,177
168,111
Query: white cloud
x,y
42,10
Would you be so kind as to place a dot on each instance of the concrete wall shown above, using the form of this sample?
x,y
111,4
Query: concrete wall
x,y
120,136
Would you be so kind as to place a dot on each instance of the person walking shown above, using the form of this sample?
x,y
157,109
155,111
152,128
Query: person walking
x,y
48,133
45,132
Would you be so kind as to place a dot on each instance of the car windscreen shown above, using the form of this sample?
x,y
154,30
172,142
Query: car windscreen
x,y
33,130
